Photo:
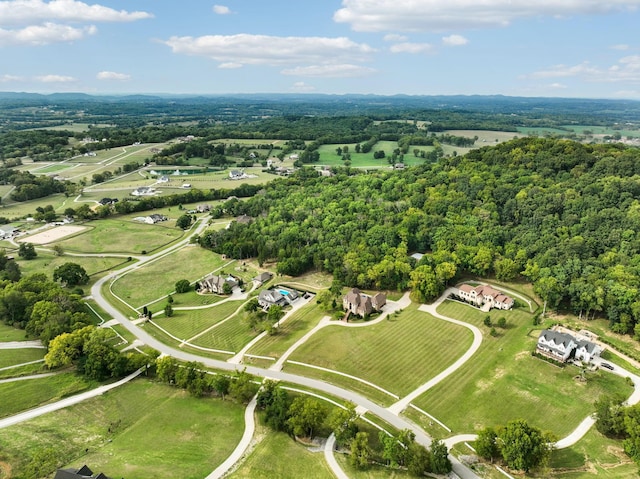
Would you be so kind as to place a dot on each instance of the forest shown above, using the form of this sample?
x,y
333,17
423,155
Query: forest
x,y
560,214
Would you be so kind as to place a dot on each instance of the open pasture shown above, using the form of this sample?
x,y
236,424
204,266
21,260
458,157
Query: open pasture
x,y
141,429
121,236
503,369
151,282
398,354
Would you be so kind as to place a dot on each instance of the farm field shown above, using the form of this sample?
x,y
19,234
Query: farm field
x,y
120,236
397,354
22,395
289,332
277,455
120,432
150,283
504,368
11,357
185,324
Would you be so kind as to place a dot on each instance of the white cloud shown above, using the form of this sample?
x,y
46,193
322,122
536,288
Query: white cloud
x,y
44,34
221,10
230,65
9,78
270,50
440,15
621,46
105,75
558,86
454,40
330,71
394,37
302,87
626,70
55,79
29,11
410,48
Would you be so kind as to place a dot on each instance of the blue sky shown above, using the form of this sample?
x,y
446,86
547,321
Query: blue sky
x,y
564,48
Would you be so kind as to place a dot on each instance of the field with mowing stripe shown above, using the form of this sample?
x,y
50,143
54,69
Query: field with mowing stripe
x,y
9,333
148,284
47,262
119,236
289,332
10,357
277,455
185,324
22,395
121,433
232,335
398,354
503,370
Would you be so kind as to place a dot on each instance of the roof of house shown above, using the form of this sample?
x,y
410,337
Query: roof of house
x,y
265,276
557,337
270,296
587,345
466,288
83,473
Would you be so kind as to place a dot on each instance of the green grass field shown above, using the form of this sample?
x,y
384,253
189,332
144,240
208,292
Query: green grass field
x,y
48,262
289,332
503,370
185,324
151,282
140,430
22,395
10,357
232,335
277,455
9,333
120,236
398,354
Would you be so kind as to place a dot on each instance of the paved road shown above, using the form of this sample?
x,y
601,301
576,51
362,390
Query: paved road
x,y
331,459
22,345
24,378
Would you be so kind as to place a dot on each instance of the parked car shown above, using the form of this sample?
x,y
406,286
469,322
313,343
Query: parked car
x,y
607,366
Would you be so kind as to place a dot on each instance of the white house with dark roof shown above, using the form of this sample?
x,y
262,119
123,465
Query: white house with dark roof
x,y
564,346
271,297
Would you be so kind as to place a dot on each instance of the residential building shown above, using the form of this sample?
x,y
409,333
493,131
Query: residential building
x,y
271,297
215,284
361,304
144,191
484,295
83,473
263,277
564,346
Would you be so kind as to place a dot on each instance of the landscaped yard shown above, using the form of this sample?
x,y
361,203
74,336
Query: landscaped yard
x,y
398,354
151,282
186,324
503,370
232,335
140,430
277,455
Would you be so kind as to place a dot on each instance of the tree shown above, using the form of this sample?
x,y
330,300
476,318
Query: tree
x,y
524,447
27,251
343,424
418,460
424,284
170,299
306,415
360,451
184,221
440,463
58,250
168,310
183,286
277,411
610,416
502,322
242,387
487,444
221,384
70,274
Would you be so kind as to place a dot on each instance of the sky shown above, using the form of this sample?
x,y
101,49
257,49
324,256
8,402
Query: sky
x,y
533,48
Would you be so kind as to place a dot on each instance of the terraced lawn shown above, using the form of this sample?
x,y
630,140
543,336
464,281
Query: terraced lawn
x,y
289,332
398,354
152,282
185,324
141,430
526,387
10,357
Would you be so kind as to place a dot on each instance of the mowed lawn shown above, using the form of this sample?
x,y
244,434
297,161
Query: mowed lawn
x,y
48,262
9,333
232,335
185,324
158,278
398,354
118,236
289,331
277,455
19,396
11,357
140,430
503,370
